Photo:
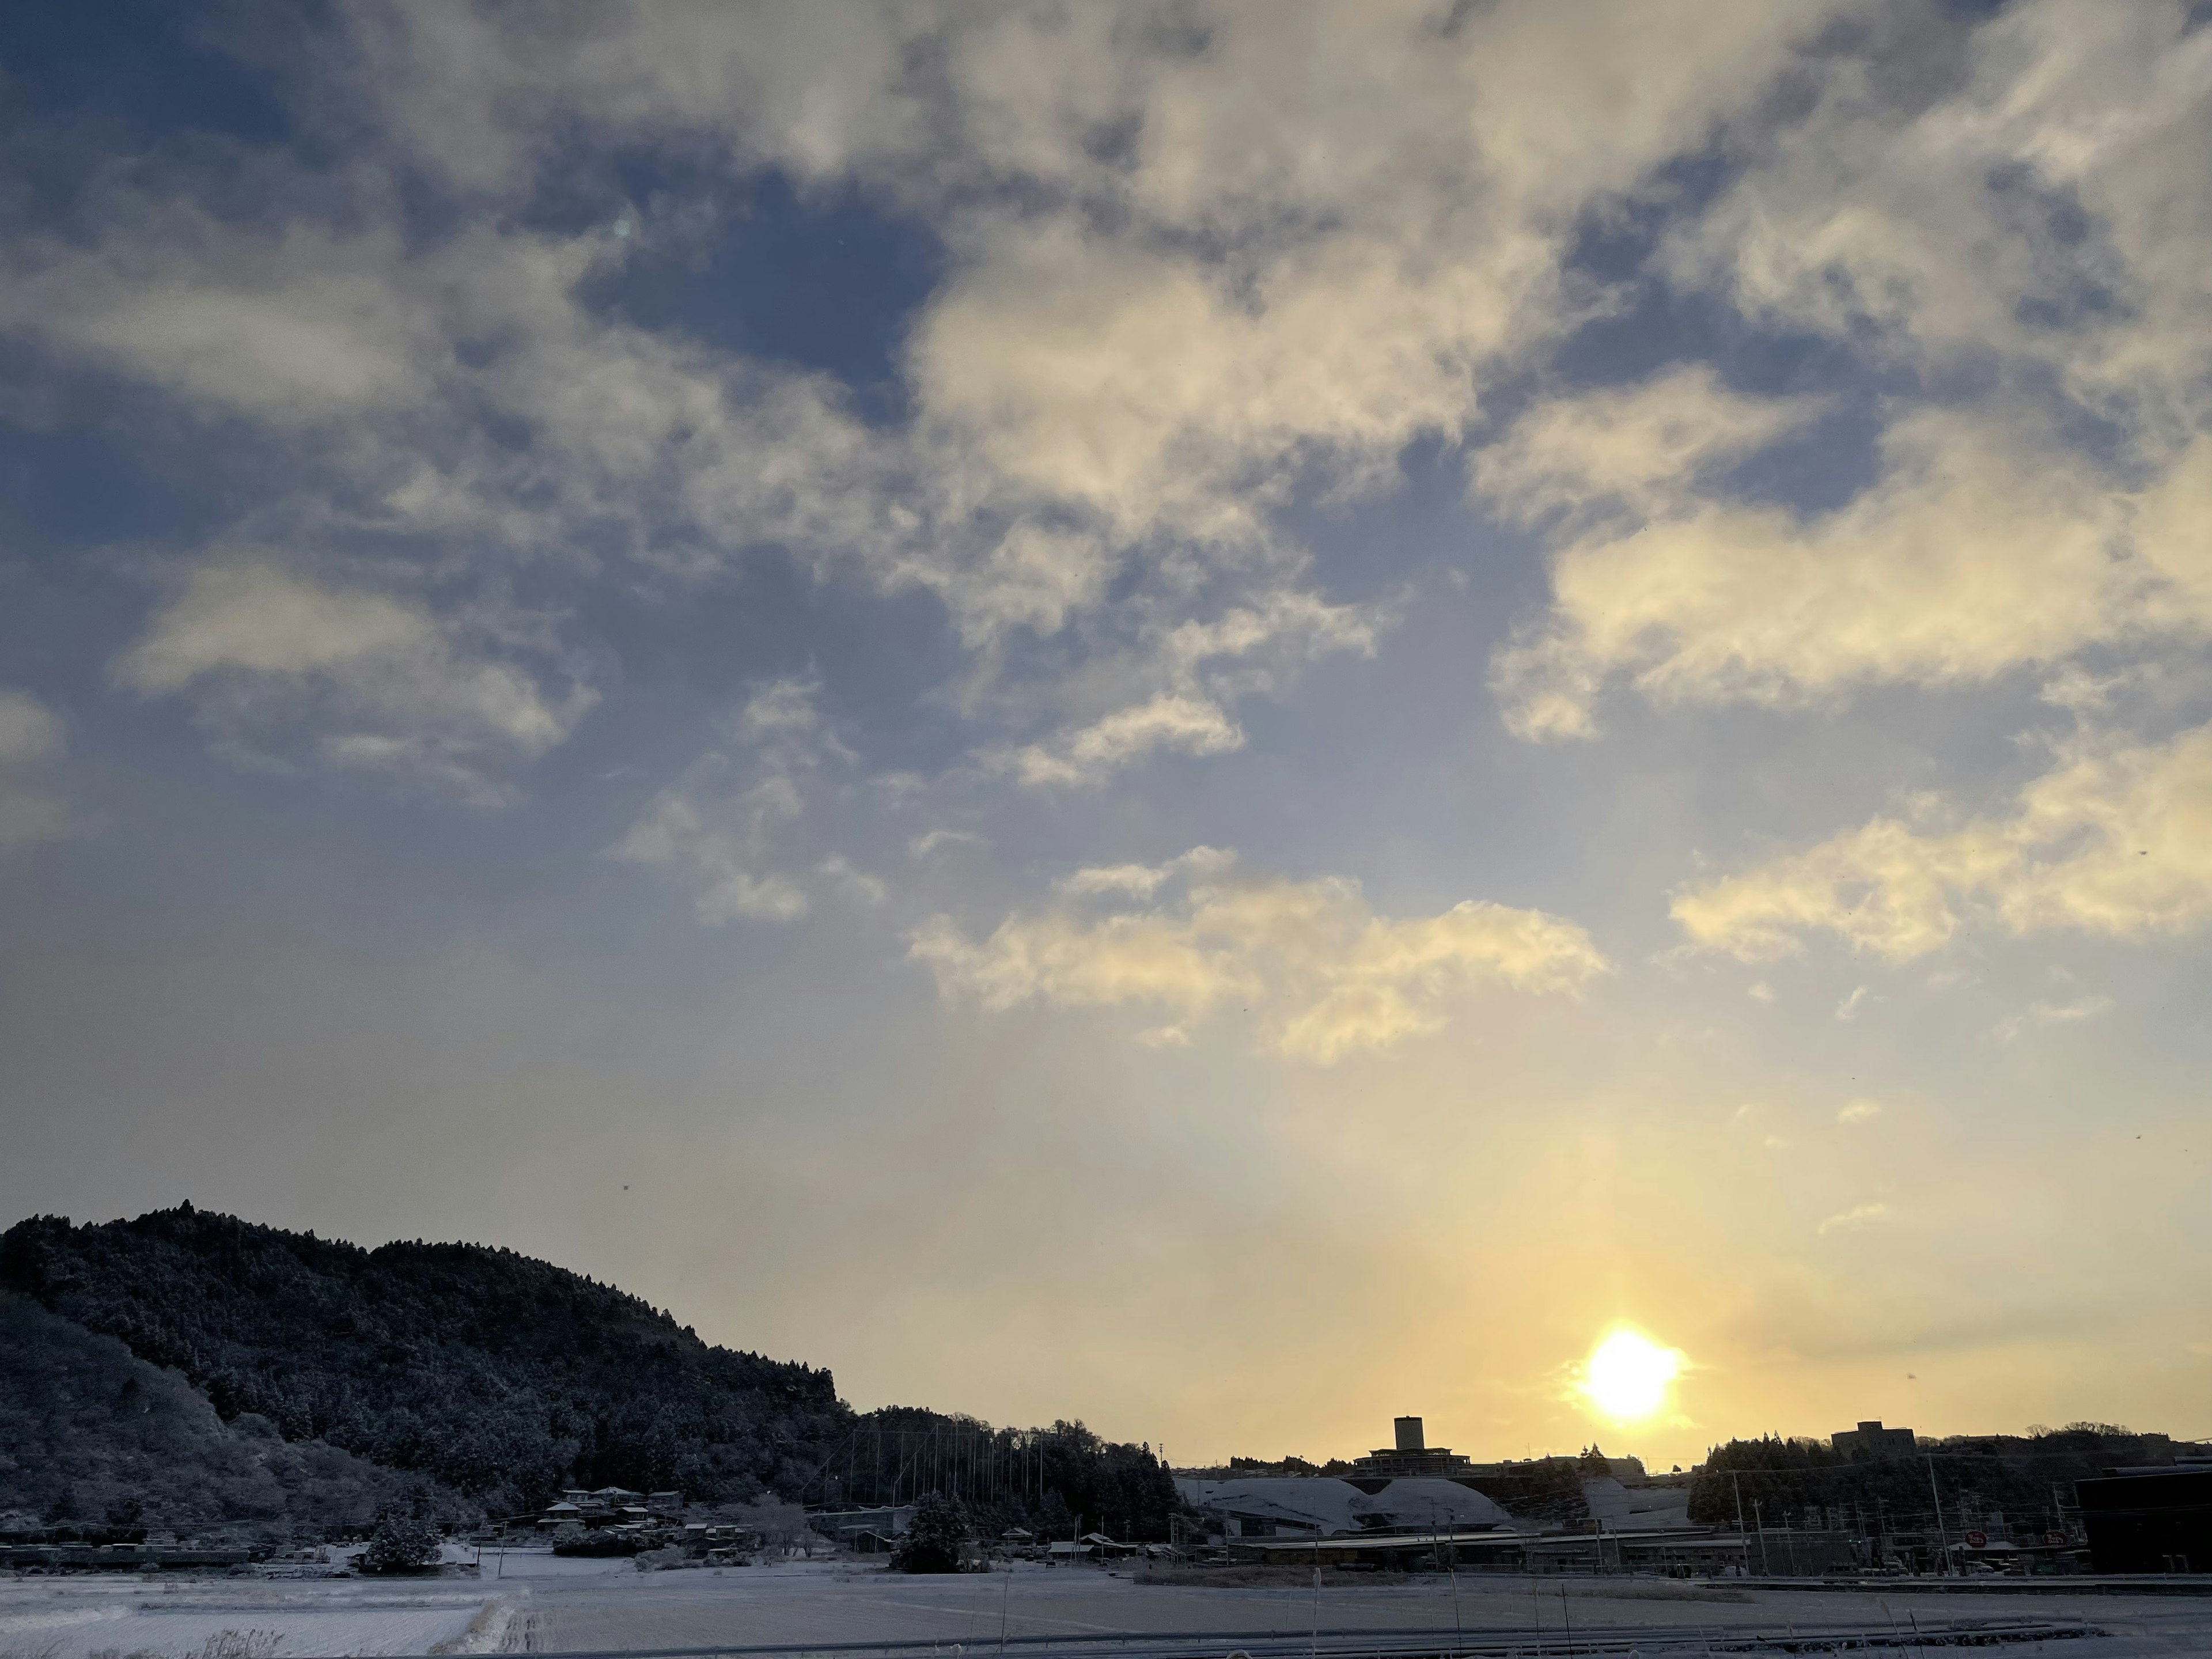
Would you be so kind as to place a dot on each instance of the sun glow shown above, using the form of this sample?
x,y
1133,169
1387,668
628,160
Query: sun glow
x,y
1628,1374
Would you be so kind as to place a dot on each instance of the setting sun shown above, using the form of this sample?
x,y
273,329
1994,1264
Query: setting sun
x,y
1627,1374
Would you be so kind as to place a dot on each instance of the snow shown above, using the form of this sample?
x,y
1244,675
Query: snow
x,y
72,1619
849,1601
1624,1508
1338,1506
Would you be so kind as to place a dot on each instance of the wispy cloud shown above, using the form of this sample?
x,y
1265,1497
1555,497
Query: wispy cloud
x,y
1850,1220
2047,1013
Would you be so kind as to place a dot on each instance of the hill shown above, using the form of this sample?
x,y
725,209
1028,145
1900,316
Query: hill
x,y
483,1377
504,1377
93,1437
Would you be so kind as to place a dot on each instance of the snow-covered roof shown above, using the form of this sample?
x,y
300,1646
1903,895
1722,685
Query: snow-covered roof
x,y
1636,1509
1333,1506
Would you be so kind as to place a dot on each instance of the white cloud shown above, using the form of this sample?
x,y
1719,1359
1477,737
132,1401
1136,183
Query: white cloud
x,y
392,687
29,731
1639,448
721,828
721,852
1325,975
1761,992
1978,548
1325,235
2115,840
1859,1111
1850,1220
30,734
2055,204
1179,724
2037,222
2046,1013
1848,1009
931,841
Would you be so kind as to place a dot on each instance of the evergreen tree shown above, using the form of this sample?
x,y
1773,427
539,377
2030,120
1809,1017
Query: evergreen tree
x,y
405,1541
934,1538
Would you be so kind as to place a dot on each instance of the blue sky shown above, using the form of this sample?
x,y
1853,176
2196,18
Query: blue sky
x,y
1227,718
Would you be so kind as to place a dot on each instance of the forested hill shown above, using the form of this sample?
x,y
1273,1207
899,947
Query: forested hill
x,y
500,1377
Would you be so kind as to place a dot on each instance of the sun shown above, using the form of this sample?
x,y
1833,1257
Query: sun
x,y
1627,1374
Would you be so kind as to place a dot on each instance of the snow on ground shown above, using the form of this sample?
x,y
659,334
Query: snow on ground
x,y
70,1619
617,1608
498,1565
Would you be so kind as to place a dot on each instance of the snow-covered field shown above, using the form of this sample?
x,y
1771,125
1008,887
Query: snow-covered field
x,y
534,1605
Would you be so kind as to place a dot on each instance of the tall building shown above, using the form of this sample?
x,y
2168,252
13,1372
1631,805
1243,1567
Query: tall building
x,y
1411,1457
1872,1440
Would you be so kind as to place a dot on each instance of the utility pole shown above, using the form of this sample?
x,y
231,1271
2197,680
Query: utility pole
x,y
1942,1536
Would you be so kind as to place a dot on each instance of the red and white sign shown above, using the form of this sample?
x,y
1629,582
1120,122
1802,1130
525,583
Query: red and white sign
x,y
1977,1540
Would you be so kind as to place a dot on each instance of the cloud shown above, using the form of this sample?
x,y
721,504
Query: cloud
x,y
1761,992
931,841
275,661
716,828
1318,237
1850,1220
1848,1009
29,731
2115,840
2047,202
720,848
1859,1111
1639,448
30,734
1179,724
2045,1013
1325,975
1978,547
2030,213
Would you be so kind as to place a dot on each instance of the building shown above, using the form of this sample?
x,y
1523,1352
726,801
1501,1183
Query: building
x,y
2149,1520
1322,1507
886,1524
1411,1456
1872,1440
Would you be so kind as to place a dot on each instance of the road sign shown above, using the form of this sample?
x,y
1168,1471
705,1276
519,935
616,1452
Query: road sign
x,y
1976,1540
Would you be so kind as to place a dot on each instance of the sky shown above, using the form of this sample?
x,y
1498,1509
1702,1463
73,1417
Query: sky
x,y
1227,718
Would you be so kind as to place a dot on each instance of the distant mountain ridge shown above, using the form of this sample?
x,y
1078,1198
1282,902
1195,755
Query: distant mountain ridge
x,y
501,1378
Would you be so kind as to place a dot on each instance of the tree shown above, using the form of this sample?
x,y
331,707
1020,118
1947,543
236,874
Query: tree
x,y
405,1541
934,1538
